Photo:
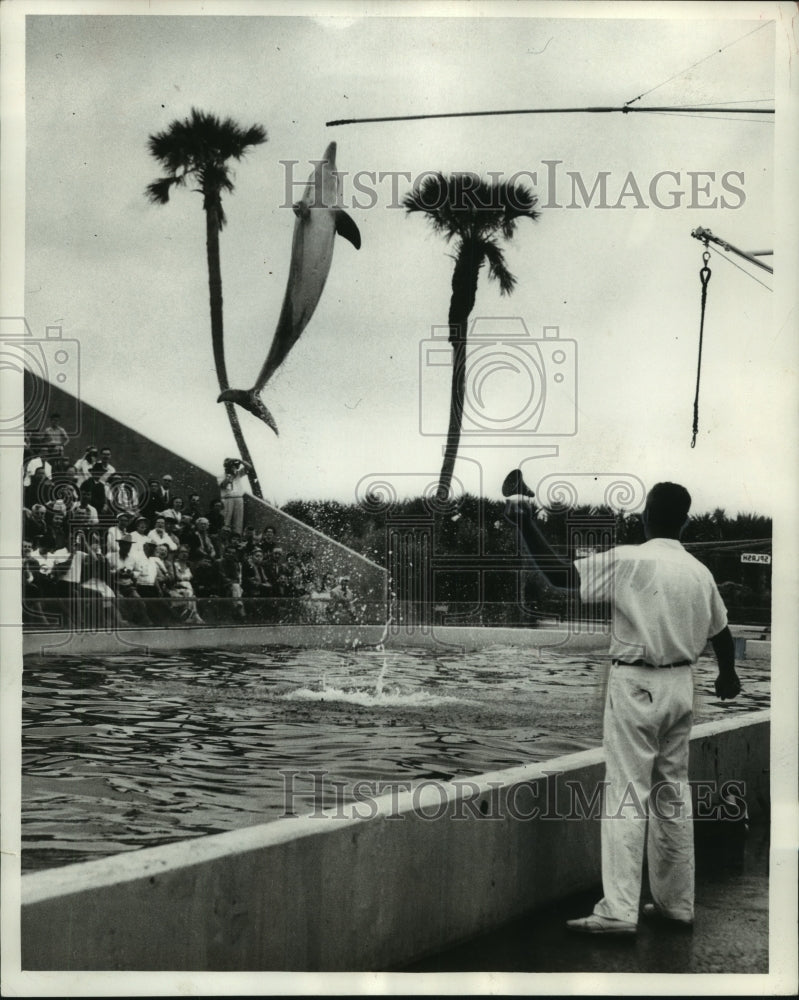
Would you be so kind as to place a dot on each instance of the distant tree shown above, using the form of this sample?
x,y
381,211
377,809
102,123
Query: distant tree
x,y
474,213
197,150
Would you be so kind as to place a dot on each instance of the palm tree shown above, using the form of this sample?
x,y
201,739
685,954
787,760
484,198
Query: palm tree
x,y
475,213
197,150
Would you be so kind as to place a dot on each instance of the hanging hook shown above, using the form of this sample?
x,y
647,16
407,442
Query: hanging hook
x,y
704,277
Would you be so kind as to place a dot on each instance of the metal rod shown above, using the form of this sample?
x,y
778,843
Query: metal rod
x,y
625,110
707,236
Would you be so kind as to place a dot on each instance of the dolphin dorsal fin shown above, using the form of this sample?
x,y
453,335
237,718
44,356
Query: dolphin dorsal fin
x,y
345,226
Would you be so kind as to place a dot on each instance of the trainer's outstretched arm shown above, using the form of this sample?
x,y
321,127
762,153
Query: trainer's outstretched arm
x,y
559,573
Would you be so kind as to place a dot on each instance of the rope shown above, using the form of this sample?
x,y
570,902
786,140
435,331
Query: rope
x,y
704,59
704,277
696,115
743,269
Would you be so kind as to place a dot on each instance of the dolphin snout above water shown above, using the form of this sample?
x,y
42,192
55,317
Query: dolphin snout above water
x,y
319,218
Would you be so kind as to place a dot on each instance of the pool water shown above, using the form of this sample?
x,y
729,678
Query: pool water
x,y
126,751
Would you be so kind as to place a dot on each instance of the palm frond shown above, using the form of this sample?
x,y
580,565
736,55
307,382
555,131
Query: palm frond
x,y
158,191
467,206
497,267
200,145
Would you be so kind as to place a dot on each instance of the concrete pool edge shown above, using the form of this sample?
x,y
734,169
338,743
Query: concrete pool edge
x,y
349,892
591,637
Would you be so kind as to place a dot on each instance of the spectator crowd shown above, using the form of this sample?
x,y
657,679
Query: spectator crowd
x,y
103,548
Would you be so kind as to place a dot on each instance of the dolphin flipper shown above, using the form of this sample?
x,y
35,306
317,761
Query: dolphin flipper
x,y
345,226
249,400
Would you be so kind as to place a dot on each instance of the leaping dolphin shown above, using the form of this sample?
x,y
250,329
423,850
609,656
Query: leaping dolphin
x,y
319,218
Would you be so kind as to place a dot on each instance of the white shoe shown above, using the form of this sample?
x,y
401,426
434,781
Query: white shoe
x,y
653,911
601,925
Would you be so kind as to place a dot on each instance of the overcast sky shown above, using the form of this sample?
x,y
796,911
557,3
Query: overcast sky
x,y
128,280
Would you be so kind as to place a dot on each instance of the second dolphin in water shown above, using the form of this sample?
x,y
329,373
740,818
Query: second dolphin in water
x,y
319,218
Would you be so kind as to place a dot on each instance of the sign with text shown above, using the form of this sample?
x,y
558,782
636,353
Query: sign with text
x,y
756,557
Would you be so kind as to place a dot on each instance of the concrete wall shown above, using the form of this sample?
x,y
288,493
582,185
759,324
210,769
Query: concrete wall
x,y
372,889
329,636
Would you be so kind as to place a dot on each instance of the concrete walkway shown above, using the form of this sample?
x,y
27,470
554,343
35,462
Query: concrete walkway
x,y
730,933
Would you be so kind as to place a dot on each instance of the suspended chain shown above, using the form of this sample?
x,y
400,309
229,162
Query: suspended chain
x,y
704,277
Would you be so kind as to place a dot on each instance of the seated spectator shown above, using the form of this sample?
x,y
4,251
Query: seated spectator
x,y
207,583
199,542
339,609
167,578
139,535
166,493
38,490
152,502
175,511
318,599
186,526
117,531
66,478
249,539
37,462
56,537
41,564
34,587
183,602
54,438
77,520
231,575
84,464
194,506
173,530
100,604
308,571
126,568
34,522
295,575
160,536
149,584
256,584
216,518
276,566
64,498
81,511
68,575
268,540
121,492
27,450
94,488
105,462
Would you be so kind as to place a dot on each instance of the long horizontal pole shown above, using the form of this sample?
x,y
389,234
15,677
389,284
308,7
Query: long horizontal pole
x,y
625,110
706,236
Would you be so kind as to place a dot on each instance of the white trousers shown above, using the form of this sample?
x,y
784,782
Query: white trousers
x,y
647,725
234,513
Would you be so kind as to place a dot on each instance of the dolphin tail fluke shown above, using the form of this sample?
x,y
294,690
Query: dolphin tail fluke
x,y
249,400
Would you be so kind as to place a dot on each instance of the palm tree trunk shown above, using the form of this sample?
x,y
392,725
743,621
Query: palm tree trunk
x,y
217,338
461,303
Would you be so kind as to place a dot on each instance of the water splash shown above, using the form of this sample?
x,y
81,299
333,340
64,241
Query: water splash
x,y
380,678
382,698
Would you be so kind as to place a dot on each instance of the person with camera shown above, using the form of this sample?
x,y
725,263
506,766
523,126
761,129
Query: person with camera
x,y
665,607
231,490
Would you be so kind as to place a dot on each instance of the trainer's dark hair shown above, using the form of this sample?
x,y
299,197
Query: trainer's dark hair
x,y
667,506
